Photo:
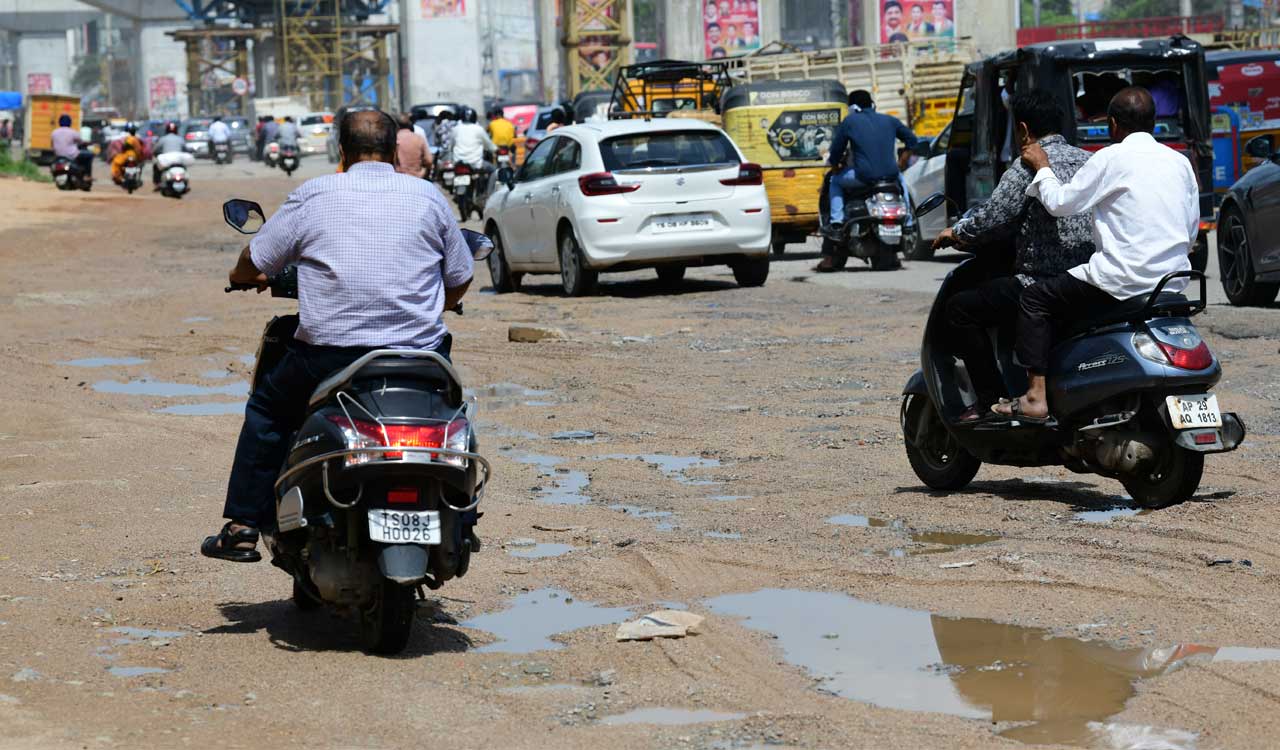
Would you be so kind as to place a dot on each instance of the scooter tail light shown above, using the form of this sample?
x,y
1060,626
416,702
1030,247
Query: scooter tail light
x,y
1148,349
603,183
357,433
748,174
1197,358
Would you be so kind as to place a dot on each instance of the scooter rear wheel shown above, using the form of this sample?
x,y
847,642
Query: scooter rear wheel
x,y
386,625
1174,480
936,456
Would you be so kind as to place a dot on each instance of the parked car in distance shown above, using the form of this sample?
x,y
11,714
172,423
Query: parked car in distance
x,y
195,133
241,133
1249,229
315,127
628,194
924,178
538,130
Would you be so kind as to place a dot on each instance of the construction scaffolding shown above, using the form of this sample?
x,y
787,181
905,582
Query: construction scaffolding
x,y
218,68
597,42
329,60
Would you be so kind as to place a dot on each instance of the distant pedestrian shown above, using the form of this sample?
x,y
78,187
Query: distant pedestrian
x,y
412,155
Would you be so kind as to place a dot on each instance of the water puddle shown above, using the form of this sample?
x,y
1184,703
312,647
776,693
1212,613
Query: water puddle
x,y
105,362
673,467
1123,508
136,671
952,539
1045,689
248,359
507,395
173,390
722,535
130,636
215,409
197,319
566,486
538,551
640,512
728,498
533,617
215,374
936,541
539,689
670,717
849,519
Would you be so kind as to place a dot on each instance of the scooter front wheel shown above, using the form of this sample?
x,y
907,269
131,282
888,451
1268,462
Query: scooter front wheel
x,y
386,624
936,456
1174,479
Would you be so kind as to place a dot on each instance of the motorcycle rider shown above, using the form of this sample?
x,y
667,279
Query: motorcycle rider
x,y
287,135
412,155
1044,246
446,121
219,133
470,143
380,258
1145,204
68,144
501,130
129,146
169,150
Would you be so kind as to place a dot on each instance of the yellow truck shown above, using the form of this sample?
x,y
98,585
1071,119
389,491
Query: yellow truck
x,y
41,119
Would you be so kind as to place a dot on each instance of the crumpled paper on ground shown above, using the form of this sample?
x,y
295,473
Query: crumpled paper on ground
x,y
667,623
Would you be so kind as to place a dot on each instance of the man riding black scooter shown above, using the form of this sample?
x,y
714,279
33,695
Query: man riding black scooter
x,y
868,138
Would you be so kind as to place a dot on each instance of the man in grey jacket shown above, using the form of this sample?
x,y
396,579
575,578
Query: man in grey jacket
x,y
1044,246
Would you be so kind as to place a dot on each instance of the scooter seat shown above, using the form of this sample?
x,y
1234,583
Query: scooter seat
x,y
880,186
1168,303
397,363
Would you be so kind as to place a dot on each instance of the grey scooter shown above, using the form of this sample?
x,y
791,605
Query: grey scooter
x,y
1130,393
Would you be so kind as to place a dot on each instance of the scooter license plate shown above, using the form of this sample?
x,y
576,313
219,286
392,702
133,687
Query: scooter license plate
x,y
462,179
404,526
448,176
179,186
1190,412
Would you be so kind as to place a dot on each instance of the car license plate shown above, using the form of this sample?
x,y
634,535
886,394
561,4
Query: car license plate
x,y
462,179
682,223
1191,412
404,526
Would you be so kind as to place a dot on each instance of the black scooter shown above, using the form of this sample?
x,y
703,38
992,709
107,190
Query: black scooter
x,y
1129,390
380,493
878,224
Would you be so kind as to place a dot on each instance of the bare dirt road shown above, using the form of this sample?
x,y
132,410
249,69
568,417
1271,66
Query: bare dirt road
x,y
746,464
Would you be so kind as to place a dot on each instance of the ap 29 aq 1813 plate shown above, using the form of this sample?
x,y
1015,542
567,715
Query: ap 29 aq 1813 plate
x,y
1190,412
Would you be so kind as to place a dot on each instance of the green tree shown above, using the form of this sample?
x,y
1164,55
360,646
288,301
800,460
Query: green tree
x,y
1052,13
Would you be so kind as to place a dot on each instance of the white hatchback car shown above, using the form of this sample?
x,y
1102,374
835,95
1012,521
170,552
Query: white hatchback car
x,y
628,194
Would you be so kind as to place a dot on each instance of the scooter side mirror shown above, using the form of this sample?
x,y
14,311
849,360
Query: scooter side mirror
x,y
930,203
246,217
480,245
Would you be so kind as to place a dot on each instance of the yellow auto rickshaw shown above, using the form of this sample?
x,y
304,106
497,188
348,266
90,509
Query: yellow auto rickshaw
x,y
787,128
669,88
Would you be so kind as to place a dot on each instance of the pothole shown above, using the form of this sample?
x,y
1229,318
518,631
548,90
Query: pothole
x,y
533,617
1036,687
670,717
106,362
541,550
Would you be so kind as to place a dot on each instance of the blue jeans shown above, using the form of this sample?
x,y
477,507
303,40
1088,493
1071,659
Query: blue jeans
x,y
845,181
275,411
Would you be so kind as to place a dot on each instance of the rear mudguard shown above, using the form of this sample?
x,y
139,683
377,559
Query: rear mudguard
x,y
403,563
915,385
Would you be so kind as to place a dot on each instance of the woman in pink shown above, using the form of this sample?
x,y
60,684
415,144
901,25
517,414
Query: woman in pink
x,y
412,155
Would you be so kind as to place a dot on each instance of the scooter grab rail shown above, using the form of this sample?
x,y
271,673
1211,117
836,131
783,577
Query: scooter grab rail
x,y
1197,307
479,459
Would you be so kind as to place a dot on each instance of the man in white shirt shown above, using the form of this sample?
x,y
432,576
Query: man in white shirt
x,y
1146,213
470,142
219,132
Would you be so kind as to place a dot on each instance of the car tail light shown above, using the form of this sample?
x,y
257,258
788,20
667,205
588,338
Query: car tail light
x,y
191,136
529,143
359,433
1197,358
603,183
403,496
748,174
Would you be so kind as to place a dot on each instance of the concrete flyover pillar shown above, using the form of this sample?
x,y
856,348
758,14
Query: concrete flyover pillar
x,y
684,30
162,72
440,40
44,59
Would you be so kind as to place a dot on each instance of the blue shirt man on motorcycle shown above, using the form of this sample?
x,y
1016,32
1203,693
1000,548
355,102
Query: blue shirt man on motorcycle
x,y
380,258
868,137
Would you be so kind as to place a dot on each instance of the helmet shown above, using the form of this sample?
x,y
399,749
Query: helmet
x,y
171,127
468,115
64,121
131,128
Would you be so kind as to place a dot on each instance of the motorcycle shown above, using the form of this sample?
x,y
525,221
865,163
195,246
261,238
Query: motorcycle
x,y
170,175
67,175
271,155
289,159
379,496
464,189
877,220
222,153
132,175
506,169
1129,391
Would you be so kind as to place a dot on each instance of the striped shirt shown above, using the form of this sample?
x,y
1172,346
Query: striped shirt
x,y
375,252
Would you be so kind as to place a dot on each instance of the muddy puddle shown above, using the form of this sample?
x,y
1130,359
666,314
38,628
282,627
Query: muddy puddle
x,y
672,467
507,395
534,616
215,409
728,498
1123,508
1034,686
146,387
557,485
129,636
933,541
670,717
722,535
541,550
664,518
105,362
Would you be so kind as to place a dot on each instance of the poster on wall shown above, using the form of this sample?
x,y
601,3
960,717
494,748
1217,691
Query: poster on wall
x,y
444,8
163,95
916,20
39,83
730,27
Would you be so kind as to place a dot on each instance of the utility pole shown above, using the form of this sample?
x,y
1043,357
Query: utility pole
x,y
1035,10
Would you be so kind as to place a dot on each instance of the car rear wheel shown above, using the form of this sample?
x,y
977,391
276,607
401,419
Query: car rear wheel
x,y
575,277
751,272
673,274
1236,266
504,281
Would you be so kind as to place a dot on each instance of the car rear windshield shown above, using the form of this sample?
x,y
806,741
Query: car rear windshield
x,y
313,120
672,148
